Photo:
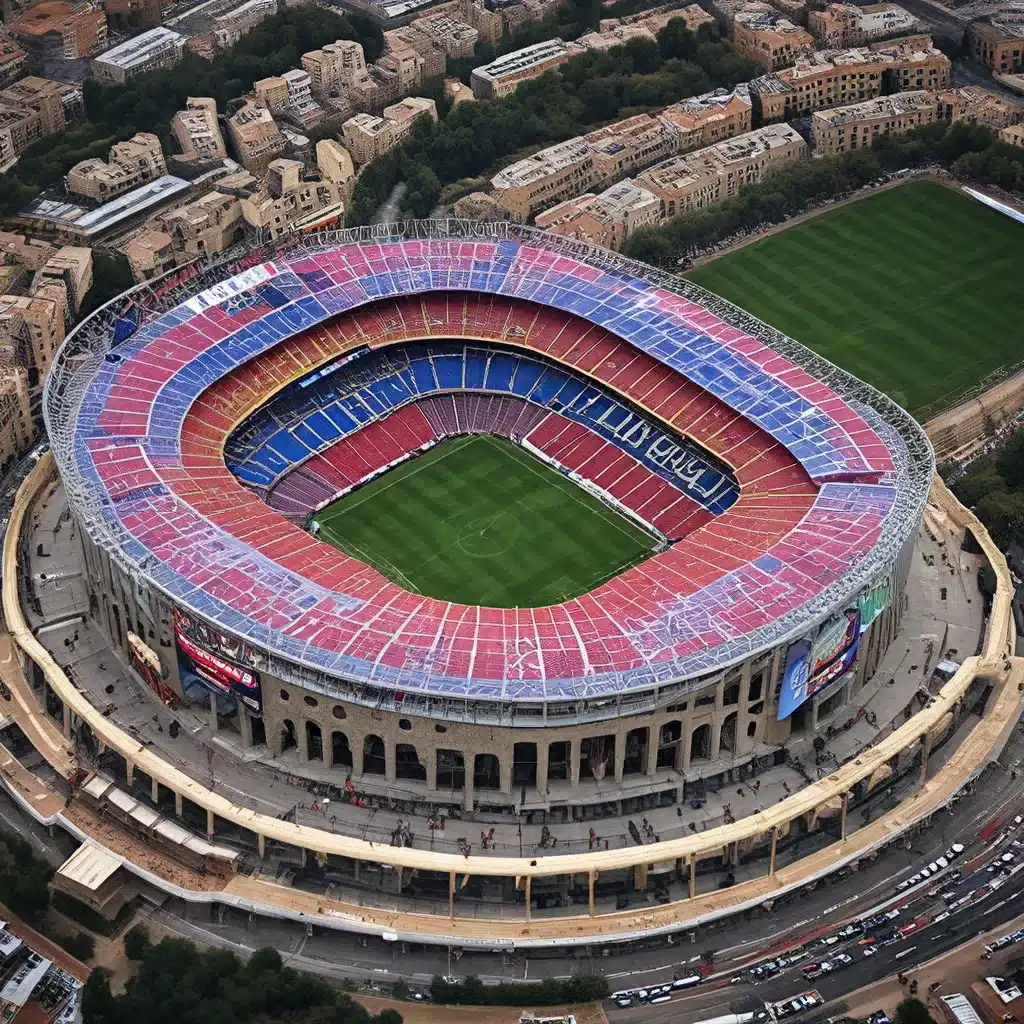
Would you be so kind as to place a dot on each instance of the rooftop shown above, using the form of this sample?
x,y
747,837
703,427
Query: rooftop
x,y
881,106
142,48
541,164
520,60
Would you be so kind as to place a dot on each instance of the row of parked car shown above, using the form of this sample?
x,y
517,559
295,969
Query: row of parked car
x,y
937,865
655,994
797,1004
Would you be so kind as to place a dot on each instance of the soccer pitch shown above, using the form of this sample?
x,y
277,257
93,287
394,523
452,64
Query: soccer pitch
x,y
915,289
479,521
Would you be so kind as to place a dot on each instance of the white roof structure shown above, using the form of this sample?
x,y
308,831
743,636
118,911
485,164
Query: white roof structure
x,y
141,49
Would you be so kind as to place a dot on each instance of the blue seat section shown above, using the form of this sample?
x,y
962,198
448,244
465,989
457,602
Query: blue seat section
x,y
300,421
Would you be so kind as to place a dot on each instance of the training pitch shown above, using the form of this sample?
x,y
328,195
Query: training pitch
x,y
476,520
915,289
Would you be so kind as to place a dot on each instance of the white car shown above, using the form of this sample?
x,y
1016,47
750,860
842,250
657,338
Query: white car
x,y
955,850
870,950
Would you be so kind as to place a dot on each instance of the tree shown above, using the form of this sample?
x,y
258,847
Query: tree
x,y
912,1011
137,943
400,990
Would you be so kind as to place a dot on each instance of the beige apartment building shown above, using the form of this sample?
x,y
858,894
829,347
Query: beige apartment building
x,y
287,199
657,18
505,74
454,38
398,73
367,136
979,106
19,128
337,65
998,41
230,27
43,95
408,37
712,175
154,50
198,132
131,163
841,24
33,327
770,39
711,117
832,78
844,129
255,136
70,268
1013,136
606,219
13,60
549,176
55,30
17,429
272,92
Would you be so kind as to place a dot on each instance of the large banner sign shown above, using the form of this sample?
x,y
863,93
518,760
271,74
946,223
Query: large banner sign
x,y
217,672
872,603
811,666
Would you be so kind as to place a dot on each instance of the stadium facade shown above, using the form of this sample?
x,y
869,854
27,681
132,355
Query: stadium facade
x,y
199,421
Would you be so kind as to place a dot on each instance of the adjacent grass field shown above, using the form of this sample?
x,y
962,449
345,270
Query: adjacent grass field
x,y
916,289
478,520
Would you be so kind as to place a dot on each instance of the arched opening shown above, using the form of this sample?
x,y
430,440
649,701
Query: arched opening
x,y
524,764
407,763
700,743
289,738
259,732
727,737
451,770
314,742
373,756
341,752
635,761
668,744
597,757
558,761
486,772
731,695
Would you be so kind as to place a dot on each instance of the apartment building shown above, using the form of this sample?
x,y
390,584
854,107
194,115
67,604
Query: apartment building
x,y
17,428
409,37
70,267
488,23
13,60
726,11
300,106
504,75
288,199
198,132
133,14
336,166
606,219
711,117
454,38
844,129
712,175
55,30
204,227
230,27
367,136
150,51
19,128
255,136
336,65
55,102
33,327
555,173
840,25
1013,136
998,41
657,18
272,92
770,39
979,106
832,78
617,36
398,73
626,146
132,163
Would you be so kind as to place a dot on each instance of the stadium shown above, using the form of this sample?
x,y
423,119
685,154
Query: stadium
x,y
481,516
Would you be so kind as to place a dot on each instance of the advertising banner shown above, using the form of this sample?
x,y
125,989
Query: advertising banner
x,y
216,672
811,666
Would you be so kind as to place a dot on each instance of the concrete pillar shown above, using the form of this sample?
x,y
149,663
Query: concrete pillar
x,y
771,860
574,761
209,822
301,741
155,792
245,728
505,768
130,771
213,712
620,756
451,895
842,824
179,805
693,875
653,736
542,766
261,845
432,770
389,761
529,888
926,749
467,793
67,722
640,877
590,886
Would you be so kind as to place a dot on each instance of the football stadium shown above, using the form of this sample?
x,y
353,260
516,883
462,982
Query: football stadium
x,y
471,522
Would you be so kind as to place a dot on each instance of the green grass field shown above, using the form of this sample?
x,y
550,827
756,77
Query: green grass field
x,y
916,289
478,520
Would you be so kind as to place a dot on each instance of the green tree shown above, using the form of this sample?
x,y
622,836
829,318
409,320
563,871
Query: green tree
x,y
912,1011
136,942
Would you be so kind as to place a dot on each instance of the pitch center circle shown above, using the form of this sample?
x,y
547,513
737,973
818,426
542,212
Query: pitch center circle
x,y
488,536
